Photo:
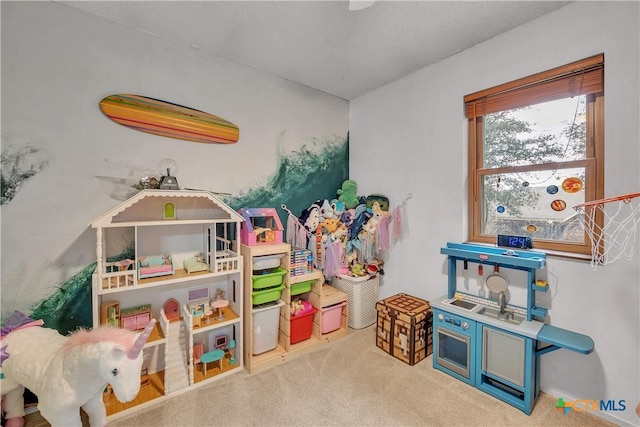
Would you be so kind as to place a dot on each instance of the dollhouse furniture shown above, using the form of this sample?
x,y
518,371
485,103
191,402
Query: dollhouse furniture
x,y
212,356
194,264
198,351
231,347
261,226
153,266
110,313
138,229
135,318
219,305
172,309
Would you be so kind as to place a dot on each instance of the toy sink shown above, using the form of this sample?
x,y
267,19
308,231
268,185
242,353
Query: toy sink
x,y
507,316
273,278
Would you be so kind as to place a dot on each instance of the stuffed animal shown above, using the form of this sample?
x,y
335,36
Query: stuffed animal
x,y
326,210
347,194
310,217
377,214
67,373
338,208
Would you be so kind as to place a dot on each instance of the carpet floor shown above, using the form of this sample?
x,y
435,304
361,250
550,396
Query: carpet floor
x,y
349,382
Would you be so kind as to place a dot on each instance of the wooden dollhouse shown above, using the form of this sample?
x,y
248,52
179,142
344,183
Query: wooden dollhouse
x,y
195,249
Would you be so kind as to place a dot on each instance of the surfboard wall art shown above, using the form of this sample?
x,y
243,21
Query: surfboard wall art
x,y
163,118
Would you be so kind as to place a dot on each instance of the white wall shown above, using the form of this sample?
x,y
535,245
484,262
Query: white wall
x,y
57,64
411,137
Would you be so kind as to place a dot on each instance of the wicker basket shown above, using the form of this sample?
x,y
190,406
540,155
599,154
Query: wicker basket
x,y
362,296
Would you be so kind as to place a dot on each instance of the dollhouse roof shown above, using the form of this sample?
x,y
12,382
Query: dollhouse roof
x,y
149,205
248,213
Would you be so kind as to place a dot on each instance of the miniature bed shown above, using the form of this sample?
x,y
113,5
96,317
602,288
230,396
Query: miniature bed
x,y
155,265
195,263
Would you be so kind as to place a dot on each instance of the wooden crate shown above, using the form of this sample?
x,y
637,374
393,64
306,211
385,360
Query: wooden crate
x,y
405,327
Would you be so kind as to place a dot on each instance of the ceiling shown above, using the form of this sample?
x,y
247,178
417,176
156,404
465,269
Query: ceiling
x,y
322,44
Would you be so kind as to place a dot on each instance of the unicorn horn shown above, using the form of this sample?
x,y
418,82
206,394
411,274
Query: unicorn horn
x,y
137,346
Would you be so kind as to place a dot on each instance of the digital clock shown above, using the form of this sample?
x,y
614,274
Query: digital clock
x,y
519,242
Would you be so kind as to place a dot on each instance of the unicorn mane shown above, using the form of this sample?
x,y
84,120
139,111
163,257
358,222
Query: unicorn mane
x,y
83,336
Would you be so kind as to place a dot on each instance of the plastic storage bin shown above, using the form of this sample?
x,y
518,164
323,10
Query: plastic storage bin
x,y
266,322
332,317
267,261
302,326
274,278
302,287
266,295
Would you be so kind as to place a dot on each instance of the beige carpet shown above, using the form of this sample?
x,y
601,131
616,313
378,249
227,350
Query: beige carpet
x,y
349,382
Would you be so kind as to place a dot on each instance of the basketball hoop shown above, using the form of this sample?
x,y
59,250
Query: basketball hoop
x,y
616,237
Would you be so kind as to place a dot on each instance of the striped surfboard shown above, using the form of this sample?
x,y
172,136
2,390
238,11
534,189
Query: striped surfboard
x,y
168,119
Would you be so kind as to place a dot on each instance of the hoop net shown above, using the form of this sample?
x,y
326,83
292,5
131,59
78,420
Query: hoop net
x,y
616,238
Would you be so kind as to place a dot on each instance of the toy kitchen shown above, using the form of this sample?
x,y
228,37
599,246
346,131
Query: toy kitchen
x,y
483,339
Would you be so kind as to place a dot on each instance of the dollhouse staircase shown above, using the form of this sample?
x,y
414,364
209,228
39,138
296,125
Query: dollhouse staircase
x,y
176,375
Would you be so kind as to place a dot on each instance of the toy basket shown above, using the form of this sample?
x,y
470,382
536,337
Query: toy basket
x,y
362,296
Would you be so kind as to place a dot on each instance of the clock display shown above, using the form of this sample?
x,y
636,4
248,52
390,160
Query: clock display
x,y
519,242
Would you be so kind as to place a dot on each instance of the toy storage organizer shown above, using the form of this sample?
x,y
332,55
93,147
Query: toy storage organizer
x,y
295,334
362,299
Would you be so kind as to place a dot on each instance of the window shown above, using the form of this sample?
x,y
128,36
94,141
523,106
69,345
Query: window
x,y
536,149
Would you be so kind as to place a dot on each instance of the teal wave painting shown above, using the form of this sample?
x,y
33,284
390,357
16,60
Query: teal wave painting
x,y
301,177
18,165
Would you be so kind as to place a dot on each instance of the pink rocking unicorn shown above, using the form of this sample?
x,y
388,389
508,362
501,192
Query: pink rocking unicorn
x,y
67,373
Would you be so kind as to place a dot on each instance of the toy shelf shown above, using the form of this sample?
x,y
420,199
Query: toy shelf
x,y
318,295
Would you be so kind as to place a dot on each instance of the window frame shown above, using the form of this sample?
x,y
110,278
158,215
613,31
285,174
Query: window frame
x,y
557,83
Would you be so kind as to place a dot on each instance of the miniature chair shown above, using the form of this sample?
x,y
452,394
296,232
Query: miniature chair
x,y
230,347
198,350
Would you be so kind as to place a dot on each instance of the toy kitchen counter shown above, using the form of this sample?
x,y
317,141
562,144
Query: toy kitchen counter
x,y
491,345
517,324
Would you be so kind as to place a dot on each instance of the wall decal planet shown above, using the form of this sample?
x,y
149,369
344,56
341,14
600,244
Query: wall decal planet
x,y
572,184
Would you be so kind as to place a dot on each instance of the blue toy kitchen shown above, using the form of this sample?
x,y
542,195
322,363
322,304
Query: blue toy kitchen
x,y
481,339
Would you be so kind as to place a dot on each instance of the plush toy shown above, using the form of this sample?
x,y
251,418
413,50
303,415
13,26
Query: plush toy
x,y
357,270
67,373
310,217
347,194
377,214
338,208
326,210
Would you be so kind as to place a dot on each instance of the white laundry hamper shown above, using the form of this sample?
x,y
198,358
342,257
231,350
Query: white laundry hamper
x,y
362,296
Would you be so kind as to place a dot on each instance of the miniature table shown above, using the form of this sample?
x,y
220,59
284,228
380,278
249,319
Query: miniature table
x,y
219,305
211,356
207,315
124,265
